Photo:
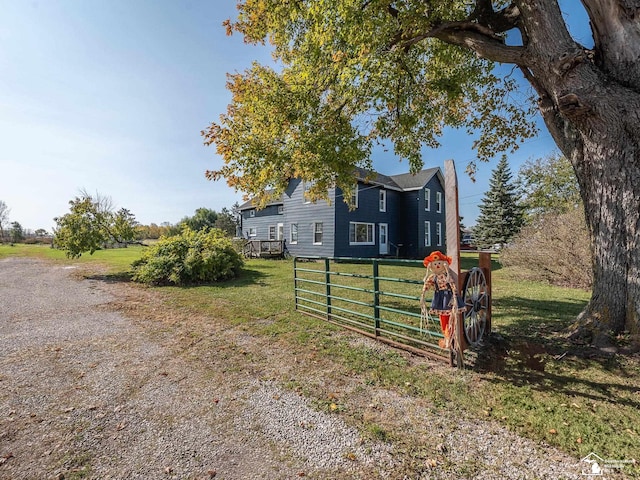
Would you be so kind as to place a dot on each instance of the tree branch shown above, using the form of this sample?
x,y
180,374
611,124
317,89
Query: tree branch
x,y
486,46
616,36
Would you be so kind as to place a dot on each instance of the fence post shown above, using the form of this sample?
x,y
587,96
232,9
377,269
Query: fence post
x,y
295,281
484,262
327,281
376,296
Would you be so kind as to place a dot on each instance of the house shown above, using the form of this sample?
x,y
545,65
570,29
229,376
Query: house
x,y
398,215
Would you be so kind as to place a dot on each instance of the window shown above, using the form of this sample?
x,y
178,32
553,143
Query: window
x,y
383,200
439,233
361,233
252,213
280,209
427,234
317,233
253,232
280,231
427,199
439,202
354,197
294,233
272,232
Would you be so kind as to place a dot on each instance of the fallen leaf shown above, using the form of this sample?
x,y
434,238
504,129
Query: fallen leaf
x,y
168,470
553,431
333,407
579,440
211,473
121,426
351,456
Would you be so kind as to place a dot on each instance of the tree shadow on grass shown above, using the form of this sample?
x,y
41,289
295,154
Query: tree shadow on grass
x,y
520,352
120,277
245,278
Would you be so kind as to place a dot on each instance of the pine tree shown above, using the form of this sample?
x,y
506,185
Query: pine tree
x,y
501,216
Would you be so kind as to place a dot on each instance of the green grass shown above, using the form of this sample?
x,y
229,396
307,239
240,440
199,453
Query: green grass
x,y
528,378
116,261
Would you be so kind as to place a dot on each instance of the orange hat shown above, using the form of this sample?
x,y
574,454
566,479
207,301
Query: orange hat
x,y
435,256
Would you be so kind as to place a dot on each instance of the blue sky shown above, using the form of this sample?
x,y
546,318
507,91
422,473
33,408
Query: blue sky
x,y
110,96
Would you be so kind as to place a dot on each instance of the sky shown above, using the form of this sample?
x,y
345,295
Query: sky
x,y
110,97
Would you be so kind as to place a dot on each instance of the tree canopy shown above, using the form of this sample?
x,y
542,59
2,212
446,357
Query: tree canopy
x,y
354,74
91,224
549,185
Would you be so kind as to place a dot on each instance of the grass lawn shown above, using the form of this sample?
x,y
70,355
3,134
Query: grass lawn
x,y
528,378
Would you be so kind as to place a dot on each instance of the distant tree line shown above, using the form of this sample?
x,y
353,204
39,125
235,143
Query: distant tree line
x,y
15,233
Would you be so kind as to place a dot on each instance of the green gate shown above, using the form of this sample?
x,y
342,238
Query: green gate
x,y
380,298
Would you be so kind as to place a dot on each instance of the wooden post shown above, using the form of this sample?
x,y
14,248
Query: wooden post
x,y
453,231
484,262
453,216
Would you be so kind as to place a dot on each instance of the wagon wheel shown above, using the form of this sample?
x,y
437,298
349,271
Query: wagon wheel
x,y
475,295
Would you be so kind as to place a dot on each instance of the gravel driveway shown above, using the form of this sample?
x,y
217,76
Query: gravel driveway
x,y
86,392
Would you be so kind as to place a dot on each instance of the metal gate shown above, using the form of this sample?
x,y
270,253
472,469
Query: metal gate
x,y
380,298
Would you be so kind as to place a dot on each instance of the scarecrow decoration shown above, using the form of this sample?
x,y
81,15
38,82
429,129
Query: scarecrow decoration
x,y
446,301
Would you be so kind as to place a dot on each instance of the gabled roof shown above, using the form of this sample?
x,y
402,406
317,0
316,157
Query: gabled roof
x,y
411,181
404,182
249,203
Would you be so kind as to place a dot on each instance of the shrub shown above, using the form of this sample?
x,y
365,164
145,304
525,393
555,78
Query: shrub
x,y
555,248
188,258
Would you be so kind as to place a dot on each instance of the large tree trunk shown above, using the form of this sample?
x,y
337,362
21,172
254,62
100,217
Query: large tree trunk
x,y
606,159
595,120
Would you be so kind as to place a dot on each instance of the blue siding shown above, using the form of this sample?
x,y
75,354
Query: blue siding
x,y
431,216
408,217
261,221
305,214
368,211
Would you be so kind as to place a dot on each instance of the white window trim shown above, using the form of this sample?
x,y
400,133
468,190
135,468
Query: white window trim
x,y
439,233
355,197
439,202
427,199
314,232
255,231
280,209
373,233
252,213
427,233
291,240
272,228
383,200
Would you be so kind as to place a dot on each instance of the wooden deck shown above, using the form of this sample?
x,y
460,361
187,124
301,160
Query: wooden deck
x,y
264,249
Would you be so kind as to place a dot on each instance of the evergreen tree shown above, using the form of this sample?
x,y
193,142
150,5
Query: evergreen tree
x,y
501,217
